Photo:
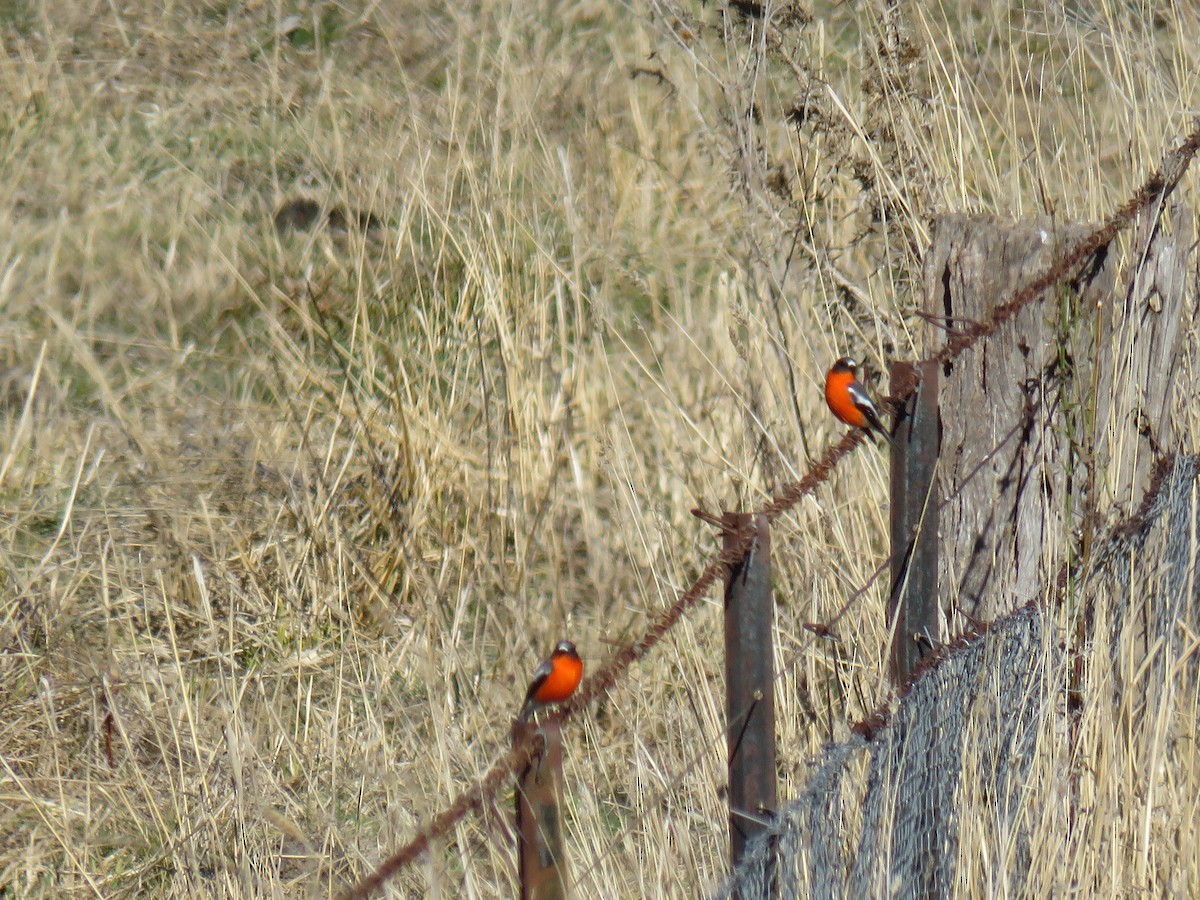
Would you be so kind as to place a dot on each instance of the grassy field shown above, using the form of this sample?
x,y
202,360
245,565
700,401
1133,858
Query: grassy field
x,y
295,496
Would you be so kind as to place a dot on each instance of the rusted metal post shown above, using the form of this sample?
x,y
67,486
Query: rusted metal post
x,y
539,831
749,684
914,512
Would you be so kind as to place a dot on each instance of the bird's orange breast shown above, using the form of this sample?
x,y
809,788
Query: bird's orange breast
x,y
841,403
565,674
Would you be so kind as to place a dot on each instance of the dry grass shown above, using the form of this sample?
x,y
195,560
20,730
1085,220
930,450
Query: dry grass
x,y
291,515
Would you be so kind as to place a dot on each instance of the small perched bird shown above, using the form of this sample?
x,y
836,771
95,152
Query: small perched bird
x,y
849,402
554,680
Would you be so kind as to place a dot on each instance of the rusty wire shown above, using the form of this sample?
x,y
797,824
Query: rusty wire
x,y
1156,187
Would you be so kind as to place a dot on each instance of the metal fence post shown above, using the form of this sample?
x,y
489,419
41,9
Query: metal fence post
x,y
539,828
913,605
749,684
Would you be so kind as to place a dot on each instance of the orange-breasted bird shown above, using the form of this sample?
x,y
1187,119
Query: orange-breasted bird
x,y
554,680
849,401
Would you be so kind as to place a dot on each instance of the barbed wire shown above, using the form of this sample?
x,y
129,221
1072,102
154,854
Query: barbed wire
x,y
1157,186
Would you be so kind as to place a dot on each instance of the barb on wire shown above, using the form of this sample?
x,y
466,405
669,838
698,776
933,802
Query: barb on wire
x,y
1155,188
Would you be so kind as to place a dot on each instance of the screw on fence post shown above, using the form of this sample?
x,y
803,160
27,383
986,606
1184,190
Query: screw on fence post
x,y
914,513
749,684
541,863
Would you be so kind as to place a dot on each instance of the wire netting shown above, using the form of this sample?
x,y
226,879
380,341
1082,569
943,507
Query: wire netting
x,y
975,765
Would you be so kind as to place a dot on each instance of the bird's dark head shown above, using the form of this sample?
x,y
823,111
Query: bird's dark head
x,y
845,364
565,648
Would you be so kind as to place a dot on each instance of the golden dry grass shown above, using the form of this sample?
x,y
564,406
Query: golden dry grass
x,y
290,515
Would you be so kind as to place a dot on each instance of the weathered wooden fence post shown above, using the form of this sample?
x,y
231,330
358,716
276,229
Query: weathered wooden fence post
x,y
1013,409
541,863
913,607
749,684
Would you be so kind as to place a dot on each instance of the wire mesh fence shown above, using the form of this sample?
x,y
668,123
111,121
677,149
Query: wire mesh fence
x,y
977,761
